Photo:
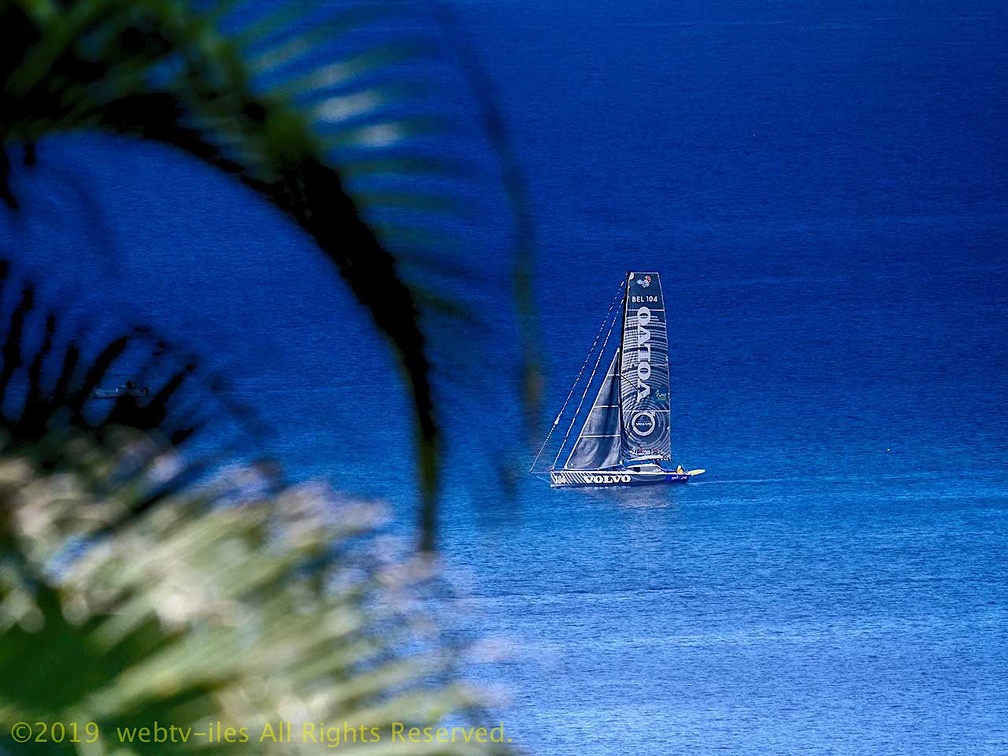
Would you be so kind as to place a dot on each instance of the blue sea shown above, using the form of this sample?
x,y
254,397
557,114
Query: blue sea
x,y
824,188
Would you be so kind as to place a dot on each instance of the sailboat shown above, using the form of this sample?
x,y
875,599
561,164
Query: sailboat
x,y
623,438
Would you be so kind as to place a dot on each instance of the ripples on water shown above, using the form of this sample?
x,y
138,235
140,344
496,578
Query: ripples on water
x,y
779,616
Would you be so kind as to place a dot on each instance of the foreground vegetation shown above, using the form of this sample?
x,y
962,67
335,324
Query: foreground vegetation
x,y
152,601
229,614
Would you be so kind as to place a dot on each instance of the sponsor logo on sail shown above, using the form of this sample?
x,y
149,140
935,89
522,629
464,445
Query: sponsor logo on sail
x,y
644,282
643,423
643,353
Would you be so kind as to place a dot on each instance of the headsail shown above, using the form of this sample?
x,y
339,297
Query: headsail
x,y
644,371
599,443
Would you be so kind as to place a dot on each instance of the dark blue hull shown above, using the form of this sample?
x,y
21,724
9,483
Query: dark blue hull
x,y
571,478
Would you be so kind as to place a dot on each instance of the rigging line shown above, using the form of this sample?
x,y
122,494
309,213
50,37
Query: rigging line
x,y
621,355
602,328
598,361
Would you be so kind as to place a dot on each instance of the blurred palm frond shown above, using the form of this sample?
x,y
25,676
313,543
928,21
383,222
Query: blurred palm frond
x,y
332,112
55,364
198,613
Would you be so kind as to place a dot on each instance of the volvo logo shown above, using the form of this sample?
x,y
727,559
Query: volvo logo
x,y
643,423
614,478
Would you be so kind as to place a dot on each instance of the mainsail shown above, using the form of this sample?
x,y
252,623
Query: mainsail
x,y
644,372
